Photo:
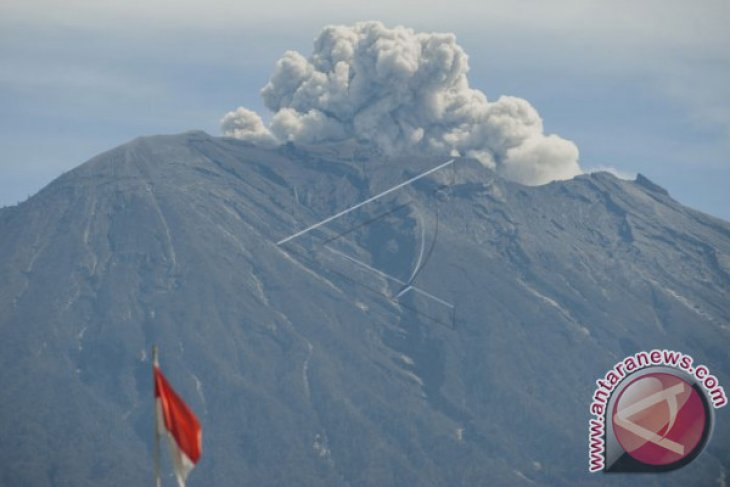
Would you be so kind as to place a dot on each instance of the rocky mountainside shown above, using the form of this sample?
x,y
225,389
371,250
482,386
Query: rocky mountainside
x,y
448,332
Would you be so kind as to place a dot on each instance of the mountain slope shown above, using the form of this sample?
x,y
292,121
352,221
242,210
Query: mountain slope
x,y
304,365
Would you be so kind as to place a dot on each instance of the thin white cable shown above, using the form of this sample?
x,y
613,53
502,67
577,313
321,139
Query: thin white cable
x,y
363,203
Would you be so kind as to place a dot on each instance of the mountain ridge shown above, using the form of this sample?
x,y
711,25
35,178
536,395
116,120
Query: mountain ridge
x,y
304,365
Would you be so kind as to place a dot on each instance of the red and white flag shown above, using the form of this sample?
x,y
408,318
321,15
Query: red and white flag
x,y
175,419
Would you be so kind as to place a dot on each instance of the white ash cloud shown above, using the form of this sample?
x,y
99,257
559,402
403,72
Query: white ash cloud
x,y
405,93
619,173
246,124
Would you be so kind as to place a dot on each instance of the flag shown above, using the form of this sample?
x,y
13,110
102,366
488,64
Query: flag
x,y
175,419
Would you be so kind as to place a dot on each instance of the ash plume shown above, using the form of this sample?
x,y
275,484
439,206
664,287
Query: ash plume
x,y
404,92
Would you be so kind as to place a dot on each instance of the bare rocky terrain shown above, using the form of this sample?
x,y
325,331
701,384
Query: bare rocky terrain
x,y
447,333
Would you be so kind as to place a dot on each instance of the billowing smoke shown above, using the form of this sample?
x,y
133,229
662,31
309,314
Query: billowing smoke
x,y
405,93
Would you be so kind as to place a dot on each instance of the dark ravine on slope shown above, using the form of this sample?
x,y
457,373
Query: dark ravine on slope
x,y
302,369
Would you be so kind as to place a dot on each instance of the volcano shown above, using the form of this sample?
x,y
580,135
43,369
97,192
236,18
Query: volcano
x,y
336,317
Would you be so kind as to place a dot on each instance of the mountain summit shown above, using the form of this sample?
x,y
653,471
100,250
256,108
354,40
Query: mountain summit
x,y
448,332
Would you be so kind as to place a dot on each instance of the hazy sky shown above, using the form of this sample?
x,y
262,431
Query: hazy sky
x,y
639,86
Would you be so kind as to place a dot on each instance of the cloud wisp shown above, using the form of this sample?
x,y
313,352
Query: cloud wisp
x,y
405,93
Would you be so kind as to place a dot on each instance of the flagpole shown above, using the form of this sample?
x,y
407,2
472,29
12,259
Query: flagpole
x,y
156,363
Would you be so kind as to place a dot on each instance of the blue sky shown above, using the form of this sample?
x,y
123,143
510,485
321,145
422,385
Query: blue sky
x,y
638,86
